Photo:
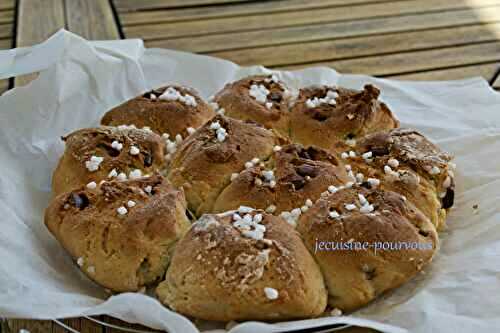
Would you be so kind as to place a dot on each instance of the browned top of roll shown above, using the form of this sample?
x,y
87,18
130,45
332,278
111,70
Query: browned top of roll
x,y
237,101
325,115
120,233
161,115
121,149
218,272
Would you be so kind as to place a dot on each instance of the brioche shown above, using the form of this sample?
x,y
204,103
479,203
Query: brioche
x,y
203,164
326,116
409,164
243,265
171,110
120,233
288,181
261,98
95,154
346,205
336,227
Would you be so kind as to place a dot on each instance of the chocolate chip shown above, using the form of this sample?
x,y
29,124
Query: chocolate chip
x,y
423,233
79,200
303,153
148,159
319,116
349,136
448,199
298,183
370,274
379,151
307,170
109,150
366,184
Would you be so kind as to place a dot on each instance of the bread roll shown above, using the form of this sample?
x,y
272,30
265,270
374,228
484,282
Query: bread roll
x,y
406,162
325,116
203,164
172,110
243,266
346,232
261,98
96,154
290,180
121,234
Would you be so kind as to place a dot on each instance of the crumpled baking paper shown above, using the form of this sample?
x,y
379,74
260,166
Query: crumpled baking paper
x,y
80,80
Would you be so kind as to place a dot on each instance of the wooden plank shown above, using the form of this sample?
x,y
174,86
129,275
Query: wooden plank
x,y
487,71
262,7
87,326
71,322
5,30
120,323
5,44
132,5
82,325
239,40
362,46
91,19
7,4
295,18
6,16
496,84
4,85
33,326
415,61
38,19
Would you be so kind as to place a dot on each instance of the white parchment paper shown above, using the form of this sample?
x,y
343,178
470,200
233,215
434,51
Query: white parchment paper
x,y
80,80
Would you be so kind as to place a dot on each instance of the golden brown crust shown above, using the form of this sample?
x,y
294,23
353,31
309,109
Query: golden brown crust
x,y
219,274
375,194
162,116
299,174
202,165
120,252
420,170
357,276
352,115
237,102
73,169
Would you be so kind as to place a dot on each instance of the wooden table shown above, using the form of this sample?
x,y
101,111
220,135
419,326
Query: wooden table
x,y
403,39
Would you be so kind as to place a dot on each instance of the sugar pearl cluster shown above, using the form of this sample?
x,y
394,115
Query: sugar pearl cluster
x,y
292,216
122,176
348,154
364,207
93,163
432,170
216,107
132,126
267,179
171,145
248,224
220,132
330,99
117,145
172,94
392,164
259,92
254,162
